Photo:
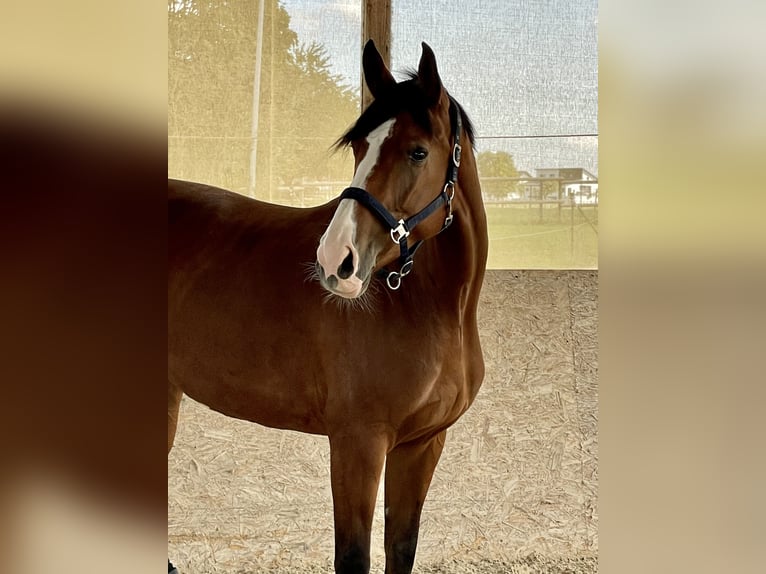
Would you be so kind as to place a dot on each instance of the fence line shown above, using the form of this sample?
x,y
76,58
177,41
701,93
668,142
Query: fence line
x,y
525,137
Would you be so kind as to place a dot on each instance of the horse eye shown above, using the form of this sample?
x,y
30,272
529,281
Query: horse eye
x,y
418,154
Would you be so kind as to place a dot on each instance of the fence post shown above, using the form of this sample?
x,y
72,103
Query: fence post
x,y
571,224
256,101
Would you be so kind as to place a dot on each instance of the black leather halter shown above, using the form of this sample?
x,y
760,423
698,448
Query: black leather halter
x,y
399,230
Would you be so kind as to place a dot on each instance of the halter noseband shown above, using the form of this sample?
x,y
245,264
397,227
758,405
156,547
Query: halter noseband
x,y
400,230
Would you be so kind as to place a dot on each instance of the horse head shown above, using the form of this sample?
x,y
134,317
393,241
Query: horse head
x,y
404,143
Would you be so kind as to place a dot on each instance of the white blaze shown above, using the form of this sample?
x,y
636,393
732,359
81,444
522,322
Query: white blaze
x,y
338,239
370,160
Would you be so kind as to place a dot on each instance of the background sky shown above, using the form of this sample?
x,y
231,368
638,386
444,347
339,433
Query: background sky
x,y
519,68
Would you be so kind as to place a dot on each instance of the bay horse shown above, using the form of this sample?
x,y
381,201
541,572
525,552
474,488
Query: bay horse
x,y
318,319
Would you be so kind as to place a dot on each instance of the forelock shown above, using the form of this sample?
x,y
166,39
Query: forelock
x,y
406,96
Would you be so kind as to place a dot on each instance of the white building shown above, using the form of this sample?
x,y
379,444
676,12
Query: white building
x,y
576,182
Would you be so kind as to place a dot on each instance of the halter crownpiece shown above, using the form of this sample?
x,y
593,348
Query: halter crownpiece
x,y
400,229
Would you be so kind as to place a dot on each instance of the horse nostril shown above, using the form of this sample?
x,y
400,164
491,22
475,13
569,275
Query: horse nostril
x,y
347,267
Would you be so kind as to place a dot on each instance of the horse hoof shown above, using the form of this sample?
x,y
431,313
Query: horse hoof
x,y
172,569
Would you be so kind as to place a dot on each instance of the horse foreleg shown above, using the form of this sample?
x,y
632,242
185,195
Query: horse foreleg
x,y
409,469
356,463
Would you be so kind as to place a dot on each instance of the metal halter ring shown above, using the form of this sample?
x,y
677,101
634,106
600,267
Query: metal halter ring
x,y
450,197
451,186
406,268
394,279
456,152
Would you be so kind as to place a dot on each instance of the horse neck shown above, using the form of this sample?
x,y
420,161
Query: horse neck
x,y
469,212
452,263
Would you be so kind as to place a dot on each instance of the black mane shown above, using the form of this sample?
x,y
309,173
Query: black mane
x,y
406,96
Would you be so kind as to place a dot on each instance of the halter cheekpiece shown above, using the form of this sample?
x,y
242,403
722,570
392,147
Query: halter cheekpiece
x,y
400,229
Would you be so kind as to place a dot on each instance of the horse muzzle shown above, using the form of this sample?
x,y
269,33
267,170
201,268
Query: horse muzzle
x,y
349,288
339,271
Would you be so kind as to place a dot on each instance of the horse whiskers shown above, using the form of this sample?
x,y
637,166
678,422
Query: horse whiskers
x,y
310,269
365,303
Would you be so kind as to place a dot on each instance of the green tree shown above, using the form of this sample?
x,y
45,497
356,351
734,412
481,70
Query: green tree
x,y
494,164
210,87
314,107
302,106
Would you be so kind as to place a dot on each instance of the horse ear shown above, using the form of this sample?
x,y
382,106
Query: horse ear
x,y
428,76
377,76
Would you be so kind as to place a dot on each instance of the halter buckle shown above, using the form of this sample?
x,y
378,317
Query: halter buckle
x,y
399,232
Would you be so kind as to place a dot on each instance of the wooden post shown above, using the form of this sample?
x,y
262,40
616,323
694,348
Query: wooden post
x,y
376,25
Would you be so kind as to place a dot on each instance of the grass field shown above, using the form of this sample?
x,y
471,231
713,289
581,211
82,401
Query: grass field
x,y
520,237
528,237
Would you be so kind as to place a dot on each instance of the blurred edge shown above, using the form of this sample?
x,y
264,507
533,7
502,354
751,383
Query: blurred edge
x,y
82,295
103,59
682,281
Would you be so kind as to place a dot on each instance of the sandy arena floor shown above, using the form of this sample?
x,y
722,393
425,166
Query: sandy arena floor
x,y
515,490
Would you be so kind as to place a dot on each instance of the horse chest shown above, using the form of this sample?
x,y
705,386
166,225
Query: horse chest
x,y
414,383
